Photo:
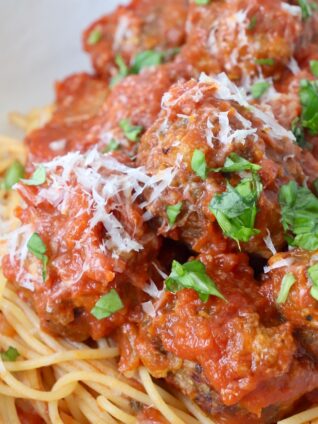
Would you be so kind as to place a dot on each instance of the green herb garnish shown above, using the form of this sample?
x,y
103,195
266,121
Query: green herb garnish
x,y
313,275
265,61
38,177
173,212
235,163
107,305
314,67
252,23
299,211
306,8
94,37
37,247
287,282
299,133
112,146
198,164
308,93
13,175
11,354
235,210
146,59
192,275
202,2
259,88
132,132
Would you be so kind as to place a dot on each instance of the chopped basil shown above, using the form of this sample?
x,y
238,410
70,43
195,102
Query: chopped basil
x,y
308,93
259,88
112,146
13,175
11,354
38,177
94,37
235,163
132,132
298,131
252,23
314,67
306,8
287,282
173,212
235,210
37,247
266,61
202,2
315,184
299,211
198,164
146,59
192,275
313,275
107,305
123,71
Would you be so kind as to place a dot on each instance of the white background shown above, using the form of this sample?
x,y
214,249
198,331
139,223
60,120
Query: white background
x,y
40,42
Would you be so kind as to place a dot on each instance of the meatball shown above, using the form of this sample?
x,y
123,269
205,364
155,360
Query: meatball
x,y
141,26
223,351
299,305
86,117
245,38
212,116
91,236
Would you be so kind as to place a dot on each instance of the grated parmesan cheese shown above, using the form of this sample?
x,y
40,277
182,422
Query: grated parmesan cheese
x,y
149,309
57,145
269,242
293,10
279,264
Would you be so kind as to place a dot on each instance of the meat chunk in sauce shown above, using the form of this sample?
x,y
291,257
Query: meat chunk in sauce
x,y
245,38
89,114
212,116
220,353
300,306
95,239
142,25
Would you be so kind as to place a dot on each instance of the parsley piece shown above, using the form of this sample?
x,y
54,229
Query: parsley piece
x,y
192,275
94,37
173,212
107,305
235,209
299,216
202,2
132,132
314,67
198,164
13,175
259,88
287,282
313,275
298,132
112,146
268,61
38,249
11,354
146,59
306,8
38,177
308,93
123,71
252,24
235,163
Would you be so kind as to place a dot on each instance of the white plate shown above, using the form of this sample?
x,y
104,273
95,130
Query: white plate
x,y
40,42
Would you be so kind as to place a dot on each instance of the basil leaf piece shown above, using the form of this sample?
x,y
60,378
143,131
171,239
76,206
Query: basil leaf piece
x,y
198,164
132,132
107,305
146,59
308,93
314,67
306,8
313,275
38,177
287,282
173,212
11,354
235,209
94,37
299,215
235,163
202,2
252,23
259,88
13,175
192,275
265,61
37,247
123,71
299,133
112,146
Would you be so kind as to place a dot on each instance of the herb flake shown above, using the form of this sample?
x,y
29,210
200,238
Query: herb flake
x,y
107,305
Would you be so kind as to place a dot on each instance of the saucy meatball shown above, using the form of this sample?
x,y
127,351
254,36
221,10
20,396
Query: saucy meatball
x,y
83,234
142,25
203,127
